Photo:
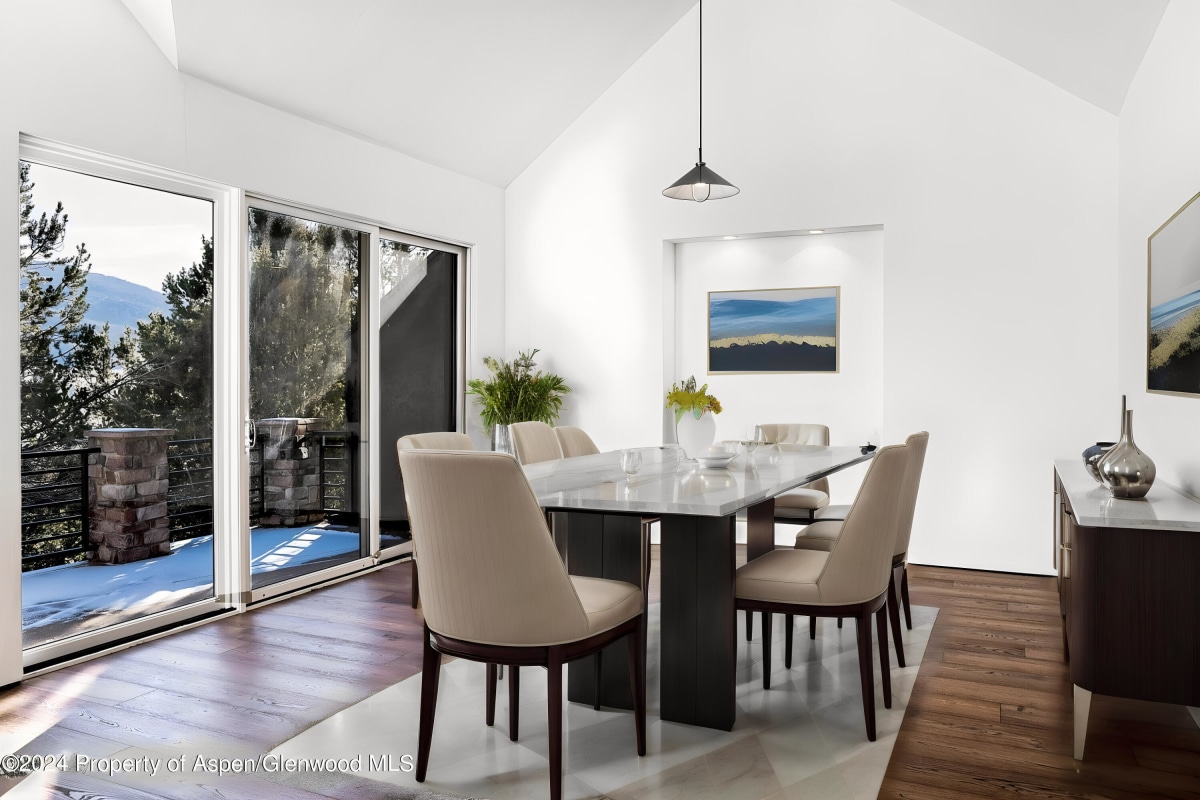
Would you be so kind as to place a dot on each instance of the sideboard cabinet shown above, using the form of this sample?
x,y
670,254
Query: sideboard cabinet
x,y
1129,590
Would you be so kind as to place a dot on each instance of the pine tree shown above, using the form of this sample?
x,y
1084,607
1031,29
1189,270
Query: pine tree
x,y
69,371
304,299
176,350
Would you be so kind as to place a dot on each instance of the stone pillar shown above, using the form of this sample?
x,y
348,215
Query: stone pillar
x,y
291,472
128,513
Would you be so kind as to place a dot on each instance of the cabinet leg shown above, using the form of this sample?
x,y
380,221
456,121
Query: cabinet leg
x,y
1083,704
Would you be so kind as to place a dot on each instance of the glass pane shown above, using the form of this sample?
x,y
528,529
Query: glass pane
x,y
115,284
417,362
305,357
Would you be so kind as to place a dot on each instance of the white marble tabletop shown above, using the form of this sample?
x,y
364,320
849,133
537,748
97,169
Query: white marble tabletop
x,y
669,484
1163,508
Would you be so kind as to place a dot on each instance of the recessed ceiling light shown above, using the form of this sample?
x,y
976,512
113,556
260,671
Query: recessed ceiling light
x,y
728,237
814,233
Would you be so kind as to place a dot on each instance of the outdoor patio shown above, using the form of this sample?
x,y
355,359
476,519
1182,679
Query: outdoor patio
x,y
75,598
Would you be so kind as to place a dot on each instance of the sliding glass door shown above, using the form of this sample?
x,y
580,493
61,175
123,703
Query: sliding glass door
x,y
305,350
115,283
201,374
420,358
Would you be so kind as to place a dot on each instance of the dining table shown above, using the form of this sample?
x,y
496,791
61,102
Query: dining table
x,y
597,513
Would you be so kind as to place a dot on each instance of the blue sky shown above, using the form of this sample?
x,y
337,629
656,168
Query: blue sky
x,y
795,312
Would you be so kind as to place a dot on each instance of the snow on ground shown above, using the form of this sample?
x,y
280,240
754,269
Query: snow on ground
x,y
74,598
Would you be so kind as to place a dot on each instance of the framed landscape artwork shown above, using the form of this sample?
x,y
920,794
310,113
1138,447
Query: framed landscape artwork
x,y
1173,358
773,330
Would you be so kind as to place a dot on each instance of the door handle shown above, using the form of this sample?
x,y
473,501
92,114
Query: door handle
x,y
250,435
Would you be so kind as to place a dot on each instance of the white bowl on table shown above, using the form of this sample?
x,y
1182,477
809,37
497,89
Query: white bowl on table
x,y
715,457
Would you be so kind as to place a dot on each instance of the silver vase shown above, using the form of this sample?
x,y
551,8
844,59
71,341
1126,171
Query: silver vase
x,y
502,440
1126,471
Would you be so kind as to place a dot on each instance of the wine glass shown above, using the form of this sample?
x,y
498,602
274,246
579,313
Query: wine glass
x,y
754,440
631,461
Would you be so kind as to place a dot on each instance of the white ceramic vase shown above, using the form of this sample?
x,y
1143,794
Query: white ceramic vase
x,y
695,435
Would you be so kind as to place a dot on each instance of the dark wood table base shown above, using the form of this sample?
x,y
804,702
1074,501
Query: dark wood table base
x,y
698,653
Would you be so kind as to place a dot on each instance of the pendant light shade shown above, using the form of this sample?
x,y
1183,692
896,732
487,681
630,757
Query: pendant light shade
x,y
700,183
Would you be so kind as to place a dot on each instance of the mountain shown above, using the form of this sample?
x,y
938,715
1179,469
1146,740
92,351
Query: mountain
x,y
116,301
120,303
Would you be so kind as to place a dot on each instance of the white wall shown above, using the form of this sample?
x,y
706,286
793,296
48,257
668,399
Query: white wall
x,y
10,398
997,192
83,72
849,401
1160,171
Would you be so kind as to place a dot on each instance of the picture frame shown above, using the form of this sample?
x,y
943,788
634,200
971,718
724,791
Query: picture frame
x,y
792,330
1173,304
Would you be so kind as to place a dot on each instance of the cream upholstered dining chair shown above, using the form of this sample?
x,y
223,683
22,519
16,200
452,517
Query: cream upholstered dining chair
x,y
822,535
575,442
496,590
534,442
799,505
796,506
434,440
850,580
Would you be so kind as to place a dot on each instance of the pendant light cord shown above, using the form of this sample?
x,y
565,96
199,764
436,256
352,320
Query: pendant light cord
x,y
700,150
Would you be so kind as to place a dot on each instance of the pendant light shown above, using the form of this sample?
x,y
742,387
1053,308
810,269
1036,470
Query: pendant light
x,y
700,183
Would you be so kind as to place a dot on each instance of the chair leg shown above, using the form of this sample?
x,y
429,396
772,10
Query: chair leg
x,y
637,681
788,619
431,672
812,627
885,668
865,670
766,628
514,700
893,607
555,712
491,695
749,624
416,589
904,596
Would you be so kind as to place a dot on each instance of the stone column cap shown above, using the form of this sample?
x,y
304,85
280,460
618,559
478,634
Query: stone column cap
x,y
117,433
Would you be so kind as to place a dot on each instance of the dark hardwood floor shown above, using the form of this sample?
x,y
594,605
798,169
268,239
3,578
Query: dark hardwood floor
x,y
990,714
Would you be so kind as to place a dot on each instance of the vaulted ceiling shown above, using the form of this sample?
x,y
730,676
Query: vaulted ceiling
x,y
483,86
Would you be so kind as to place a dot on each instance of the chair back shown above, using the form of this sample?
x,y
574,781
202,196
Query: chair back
x,y
534,442
435,440
489,571
799,433
860,562
575,441
918,442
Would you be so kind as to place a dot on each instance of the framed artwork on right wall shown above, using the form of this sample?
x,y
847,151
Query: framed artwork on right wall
x,y
1173,337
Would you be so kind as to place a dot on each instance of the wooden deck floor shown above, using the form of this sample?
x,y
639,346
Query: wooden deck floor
x,y
990,715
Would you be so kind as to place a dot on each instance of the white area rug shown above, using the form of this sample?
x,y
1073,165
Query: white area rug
x,y
803,738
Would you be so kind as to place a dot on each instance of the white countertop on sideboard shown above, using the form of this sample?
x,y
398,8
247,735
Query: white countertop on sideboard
x,y
1163,508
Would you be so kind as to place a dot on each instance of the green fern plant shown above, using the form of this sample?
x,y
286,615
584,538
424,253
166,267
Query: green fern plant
x,y
517,392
